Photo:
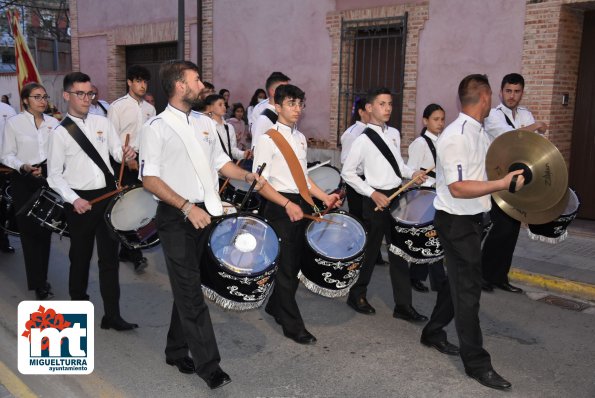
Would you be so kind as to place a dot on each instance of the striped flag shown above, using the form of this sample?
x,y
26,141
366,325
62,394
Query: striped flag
x,y
26,69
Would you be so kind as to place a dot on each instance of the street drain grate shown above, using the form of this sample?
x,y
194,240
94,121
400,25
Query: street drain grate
x,y
564,303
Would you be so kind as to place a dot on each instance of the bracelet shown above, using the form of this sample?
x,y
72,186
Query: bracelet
x,y
286,203
183,204
186,211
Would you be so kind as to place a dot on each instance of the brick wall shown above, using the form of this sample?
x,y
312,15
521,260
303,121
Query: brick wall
x,y
417,16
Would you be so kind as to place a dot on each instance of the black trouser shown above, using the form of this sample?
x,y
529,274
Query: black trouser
x,y
354,202
282,303
129,178
459,298
190,327
378,224
435,270
498,248
35,239
84,230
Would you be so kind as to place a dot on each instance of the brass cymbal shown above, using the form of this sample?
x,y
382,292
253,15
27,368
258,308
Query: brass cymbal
x,y
546,174
539,217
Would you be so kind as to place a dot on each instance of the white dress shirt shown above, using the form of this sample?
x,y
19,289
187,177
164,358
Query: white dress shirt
x,y
236,152
6,111
128,116
420,156
70,168
349,136
461,150
257,110
364,155
163,154
262,123
24,143
277,171
96,109
495,124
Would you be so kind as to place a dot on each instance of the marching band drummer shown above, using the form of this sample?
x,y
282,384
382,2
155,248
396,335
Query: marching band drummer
x,y
377,153
26,138
288,197
227,135
179,157
79,170
6,111
422,156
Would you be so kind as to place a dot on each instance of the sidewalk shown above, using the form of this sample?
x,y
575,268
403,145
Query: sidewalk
x,y
567,267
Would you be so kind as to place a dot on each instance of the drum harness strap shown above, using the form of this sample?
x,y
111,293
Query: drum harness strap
x,y
271,115
384,150
433,150
86,145
227,151
294,166
508,121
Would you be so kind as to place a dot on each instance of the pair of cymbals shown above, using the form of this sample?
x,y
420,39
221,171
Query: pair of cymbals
x,y
545,194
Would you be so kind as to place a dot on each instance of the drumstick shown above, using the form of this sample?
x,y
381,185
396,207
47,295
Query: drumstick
x,y
316,166
227,179
318,219
123,161
404,187
259,172
6,170
107,195
329,208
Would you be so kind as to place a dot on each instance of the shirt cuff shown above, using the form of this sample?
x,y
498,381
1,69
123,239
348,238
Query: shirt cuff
x,y
71,196
368,191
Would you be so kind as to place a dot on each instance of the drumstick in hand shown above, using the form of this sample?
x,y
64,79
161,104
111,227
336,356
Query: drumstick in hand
x,y
319,219
404,187
123,162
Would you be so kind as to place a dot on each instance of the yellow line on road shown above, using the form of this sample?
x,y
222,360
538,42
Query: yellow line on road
x,y
572,288
13,384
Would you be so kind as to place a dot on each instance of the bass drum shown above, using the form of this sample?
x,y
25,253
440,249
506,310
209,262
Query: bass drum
x,y
555,231
334,253
240,262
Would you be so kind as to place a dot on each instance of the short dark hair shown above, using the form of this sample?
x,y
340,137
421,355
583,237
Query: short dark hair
x,y
74,77
208,85
288,91
138,72
358,105
470,88
276,77
26,91
513,78
211,99
172,71
375,92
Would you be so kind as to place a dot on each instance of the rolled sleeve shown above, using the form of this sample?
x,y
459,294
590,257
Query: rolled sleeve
x,y
453,159
150,152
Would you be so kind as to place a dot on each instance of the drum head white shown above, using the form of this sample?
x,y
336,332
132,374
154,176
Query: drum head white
x,y
133,209
240,185
337,241
326,177
414,207
572,205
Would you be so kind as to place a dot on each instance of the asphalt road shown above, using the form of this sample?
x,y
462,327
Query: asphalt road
x,y
545,351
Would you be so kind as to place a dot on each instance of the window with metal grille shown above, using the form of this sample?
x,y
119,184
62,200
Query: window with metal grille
x,y
372,55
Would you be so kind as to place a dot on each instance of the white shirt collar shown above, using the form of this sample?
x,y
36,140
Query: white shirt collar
x,y
361,124
432,136
283,128
179,113
470,120
78,119
377,128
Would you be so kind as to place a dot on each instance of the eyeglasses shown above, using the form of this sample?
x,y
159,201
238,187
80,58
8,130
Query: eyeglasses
x,y
81,94
40,97
293,104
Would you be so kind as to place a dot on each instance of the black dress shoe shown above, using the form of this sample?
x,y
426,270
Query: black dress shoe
x,y
490,378
302,337
443,346
487,286
361,305
184,365
217,379
419,286
44,293
7,248
140,265
408,314
508,287
118,324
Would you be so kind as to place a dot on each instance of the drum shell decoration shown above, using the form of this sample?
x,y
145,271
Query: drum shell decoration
x,y
416,241
234,290
555,231
333,277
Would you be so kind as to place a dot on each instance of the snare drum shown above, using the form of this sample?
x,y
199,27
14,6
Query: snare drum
x,y
131,217
240,262
327,178
555,231
8,221
413,236
334,253
236,191
48,210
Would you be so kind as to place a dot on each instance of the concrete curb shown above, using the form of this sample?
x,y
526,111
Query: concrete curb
x,y
572,288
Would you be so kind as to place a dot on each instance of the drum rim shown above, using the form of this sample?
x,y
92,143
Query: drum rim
x,y
346,259
41,191
334,168
211,255
418,225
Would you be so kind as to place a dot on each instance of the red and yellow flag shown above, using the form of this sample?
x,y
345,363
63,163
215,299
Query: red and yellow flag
x,y
26,69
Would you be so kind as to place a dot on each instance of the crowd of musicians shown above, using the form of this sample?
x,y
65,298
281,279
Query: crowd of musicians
x,y
179,156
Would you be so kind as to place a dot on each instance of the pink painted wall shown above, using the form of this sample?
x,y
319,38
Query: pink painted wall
x,y
93,60
254,38
486,38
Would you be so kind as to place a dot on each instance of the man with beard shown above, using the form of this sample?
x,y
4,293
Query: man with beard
x,y
180,156
501,241
128,114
